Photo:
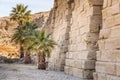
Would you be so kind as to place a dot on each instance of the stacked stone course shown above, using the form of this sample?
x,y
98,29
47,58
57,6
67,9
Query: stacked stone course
x,y
59,28
84,32
108,56
75,27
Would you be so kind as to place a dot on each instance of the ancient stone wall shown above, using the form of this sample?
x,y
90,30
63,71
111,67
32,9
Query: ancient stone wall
x,y
108,56
59,33
84,31
75,26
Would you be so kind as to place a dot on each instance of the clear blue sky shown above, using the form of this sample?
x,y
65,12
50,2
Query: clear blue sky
x,y
34,5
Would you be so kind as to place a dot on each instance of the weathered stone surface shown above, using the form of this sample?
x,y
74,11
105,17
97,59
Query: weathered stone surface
x,y
107,65
75,27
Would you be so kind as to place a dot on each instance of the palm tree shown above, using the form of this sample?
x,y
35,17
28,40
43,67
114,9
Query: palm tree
x,y
22,35
43,45
20,14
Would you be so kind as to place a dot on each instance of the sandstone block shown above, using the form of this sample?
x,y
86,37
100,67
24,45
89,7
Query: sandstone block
x,y
71,63
67,62
108,55
86,55
116,20
114,2
115,32
98,2
106,67
105,4
71,71
115,9
98,56
104,33
66,69
112,44
86,74
94,27
109,22
101,44
109,2
106,13
78,72
110,77
118,69
118,56
100,76
78,64
92,37
88,64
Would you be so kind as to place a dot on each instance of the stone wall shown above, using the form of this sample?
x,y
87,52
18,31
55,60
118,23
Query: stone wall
x,y
108,56
59,28
75,27
85,23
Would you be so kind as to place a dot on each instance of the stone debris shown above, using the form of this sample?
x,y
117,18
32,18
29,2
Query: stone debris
x,y
29,72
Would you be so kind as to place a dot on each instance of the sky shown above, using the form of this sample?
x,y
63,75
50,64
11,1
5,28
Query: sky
x,y
33,5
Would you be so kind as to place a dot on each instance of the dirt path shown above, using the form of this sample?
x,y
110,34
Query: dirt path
x,y
29,72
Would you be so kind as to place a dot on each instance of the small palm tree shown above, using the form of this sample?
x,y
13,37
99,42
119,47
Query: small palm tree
x,y
20,14
22,35
43,45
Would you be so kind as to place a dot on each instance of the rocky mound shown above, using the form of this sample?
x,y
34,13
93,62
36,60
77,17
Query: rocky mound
x,y
9,52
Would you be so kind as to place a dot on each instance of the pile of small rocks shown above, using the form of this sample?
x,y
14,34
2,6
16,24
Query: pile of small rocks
x,y
9,60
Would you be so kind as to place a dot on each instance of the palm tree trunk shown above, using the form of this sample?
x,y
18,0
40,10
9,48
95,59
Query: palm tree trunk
x,y
41,61
27,58
21,51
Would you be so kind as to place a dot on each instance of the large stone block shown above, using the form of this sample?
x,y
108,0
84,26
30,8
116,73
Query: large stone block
x,y
112,43
105,3
101,44
109,2
86,74
115,2
78,64
112,77
106,68
86,55
66,69
115,32
106,13
105,33
116,20
115,9
88,64
118,69
67,62
109,22
108,55
96,2
78,72
71,63
99,76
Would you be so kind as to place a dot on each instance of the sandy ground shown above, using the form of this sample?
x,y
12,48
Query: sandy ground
x,y
29,72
